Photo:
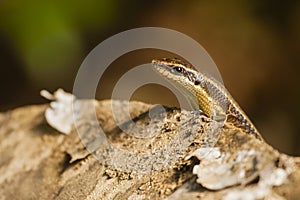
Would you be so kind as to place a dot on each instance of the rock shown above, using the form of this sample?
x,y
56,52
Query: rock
x,y
37,162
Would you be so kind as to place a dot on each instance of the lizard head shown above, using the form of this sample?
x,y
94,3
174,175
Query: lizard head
x,y
182,75
176,70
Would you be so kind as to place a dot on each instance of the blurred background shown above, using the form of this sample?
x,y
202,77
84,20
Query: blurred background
x,y
255,44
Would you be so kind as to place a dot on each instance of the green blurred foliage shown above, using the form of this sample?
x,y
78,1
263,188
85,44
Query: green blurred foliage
x,y
47,34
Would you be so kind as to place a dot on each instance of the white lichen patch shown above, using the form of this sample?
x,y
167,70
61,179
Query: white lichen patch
x,y
59,115
218,170
214,172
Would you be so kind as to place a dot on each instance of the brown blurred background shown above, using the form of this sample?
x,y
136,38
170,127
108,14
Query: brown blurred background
x,y
255,45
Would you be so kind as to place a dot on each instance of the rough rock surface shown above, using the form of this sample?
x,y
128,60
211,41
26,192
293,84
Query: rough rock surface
x,y
37,162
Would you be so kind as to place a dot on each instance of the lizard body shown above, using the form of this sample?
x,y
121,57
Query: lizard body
x,y
205,93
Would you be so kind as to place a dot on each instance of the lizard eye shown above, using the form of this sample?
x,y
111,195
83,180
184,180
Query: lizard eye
x,y
197,82
178,69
